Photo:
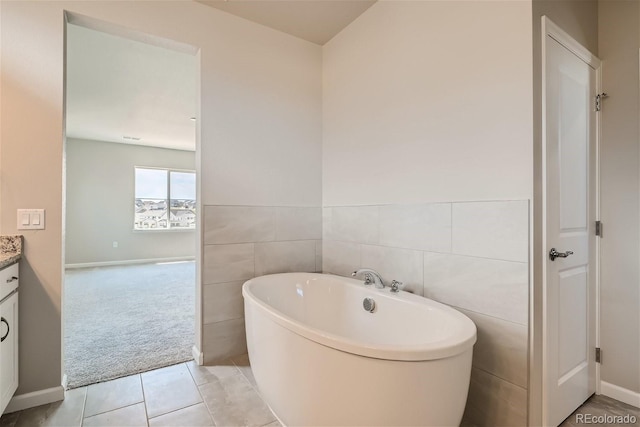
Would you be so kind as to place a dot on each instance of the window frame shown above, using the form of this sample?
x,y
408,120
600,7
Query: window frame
x,y
169,229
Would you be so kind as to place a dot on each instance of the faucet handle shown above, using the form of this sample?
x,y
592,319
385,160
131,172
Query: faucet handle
x,y
396,286
369,279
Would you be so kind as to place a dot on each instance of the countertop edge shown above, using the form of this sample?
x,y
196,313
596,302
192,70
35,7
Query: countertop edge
x,y
9,260
10,249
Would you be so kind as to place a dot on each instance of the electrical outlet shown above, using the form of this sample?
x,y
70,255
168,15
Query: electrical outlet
x,y
115,244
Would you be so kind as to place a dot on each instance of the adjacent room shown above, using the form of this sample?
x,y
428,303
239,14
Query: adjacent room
x,y
129,290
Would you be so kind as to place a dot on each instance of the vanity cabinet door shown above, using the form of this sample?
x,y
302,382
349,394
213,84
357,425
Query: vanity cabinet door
x,y
8,349
8,280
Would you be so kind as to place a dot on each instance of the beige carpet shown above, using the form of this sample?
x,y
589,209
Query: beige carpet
x,y
127,319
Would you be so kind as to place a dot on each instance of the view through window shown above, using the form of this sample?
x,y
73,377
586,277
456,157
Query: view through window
x,y
165,199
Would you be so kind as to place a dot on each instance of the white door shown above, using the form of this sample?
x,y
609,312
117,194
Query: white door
x,y
570,205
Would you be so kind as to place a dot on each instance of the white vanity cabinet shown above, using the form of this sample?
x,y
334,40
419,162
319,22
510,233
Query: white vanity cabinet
x,y
8,334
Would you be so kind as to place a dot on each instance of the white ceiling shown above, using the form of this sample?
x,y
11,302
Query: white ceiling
x,y
119,88
314,20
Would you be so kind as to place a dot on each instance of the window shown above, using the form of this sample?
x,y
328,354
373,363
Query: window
x,y
165,199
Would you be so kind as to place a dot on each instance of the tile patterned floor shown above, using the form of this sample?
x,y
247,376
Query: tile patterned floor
x,y
180,395
190,395
601,405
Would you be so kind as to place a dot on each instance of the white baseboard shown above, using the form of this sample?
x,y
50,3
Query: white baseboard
x,y
198,357
36,398
128,262
622,394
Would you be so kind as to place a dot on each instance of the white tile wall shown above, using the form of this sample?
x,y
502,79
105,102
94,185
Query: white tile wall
x,y
471,255
318,255
501,348
222,339
242,242
498,230
298,223
239,224
493,287
340,258
226,263
422,245
494,402
222,301
351,224
404,265
285,257
426,227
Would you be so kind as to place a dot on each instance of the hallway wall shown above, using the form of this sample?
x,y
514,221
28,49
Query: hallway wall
x,y
619,42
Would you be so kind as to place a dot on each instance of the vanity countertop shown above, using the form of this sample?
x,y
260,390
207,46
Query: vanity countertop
x,y
10,250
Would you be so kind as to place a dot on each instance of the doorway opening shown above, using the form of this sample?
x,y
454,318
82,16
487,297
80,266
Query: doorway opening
x,y
131,205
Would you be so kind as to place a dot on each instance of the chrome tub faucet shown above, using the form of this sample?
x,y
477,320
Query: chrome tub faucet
x,y
370,276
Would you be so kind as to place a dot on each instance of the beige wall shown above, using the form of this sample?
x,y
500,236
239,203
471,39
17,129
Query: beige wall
x,y
100,193
429,101
620,191
260,96
579,18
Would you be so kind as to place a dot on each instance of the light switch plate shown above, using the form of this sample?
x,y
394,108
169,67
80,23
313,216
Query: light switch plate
x,y
30,219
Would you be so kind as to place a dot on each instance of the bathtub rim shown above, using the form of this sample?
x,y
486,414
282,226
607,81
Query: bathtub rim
x,y
421,352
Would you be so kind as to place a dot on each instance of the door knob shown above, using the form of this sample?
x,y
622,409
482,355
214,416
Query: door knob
x,y
553,254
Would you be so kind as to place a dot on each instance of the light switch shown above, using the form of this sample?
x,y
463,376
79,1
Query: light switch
x,y
30,219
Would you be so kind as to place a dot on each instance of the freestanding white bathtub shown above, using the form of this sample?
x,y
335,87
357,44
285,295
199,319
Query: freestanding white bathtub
x,y
320,359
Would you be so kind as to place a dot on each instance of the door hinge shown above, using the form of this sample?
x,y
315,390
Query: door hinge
x,y
599,228
599,98
598,355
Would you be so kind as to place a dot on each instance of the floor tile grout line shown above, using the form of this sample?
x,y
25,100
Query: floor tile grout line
x,y
255,388
176,410
144,400
191,373
113,410
242,375
104,382
206,405
246,378
84,404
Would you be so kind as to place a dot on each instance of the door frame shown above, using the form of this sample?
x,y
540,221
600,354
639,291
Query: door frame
x,y
549,28
114,28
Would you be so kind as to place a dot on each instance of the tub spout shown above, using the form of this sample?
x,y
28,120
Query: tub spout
x,y
370,276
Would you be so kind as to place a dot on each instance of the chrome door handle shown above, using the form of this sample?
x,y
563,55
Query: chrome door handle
x,y
553,254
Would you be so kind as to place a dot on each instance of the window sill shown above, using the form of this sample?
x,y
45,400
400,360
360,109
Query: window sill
x,y
168,230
